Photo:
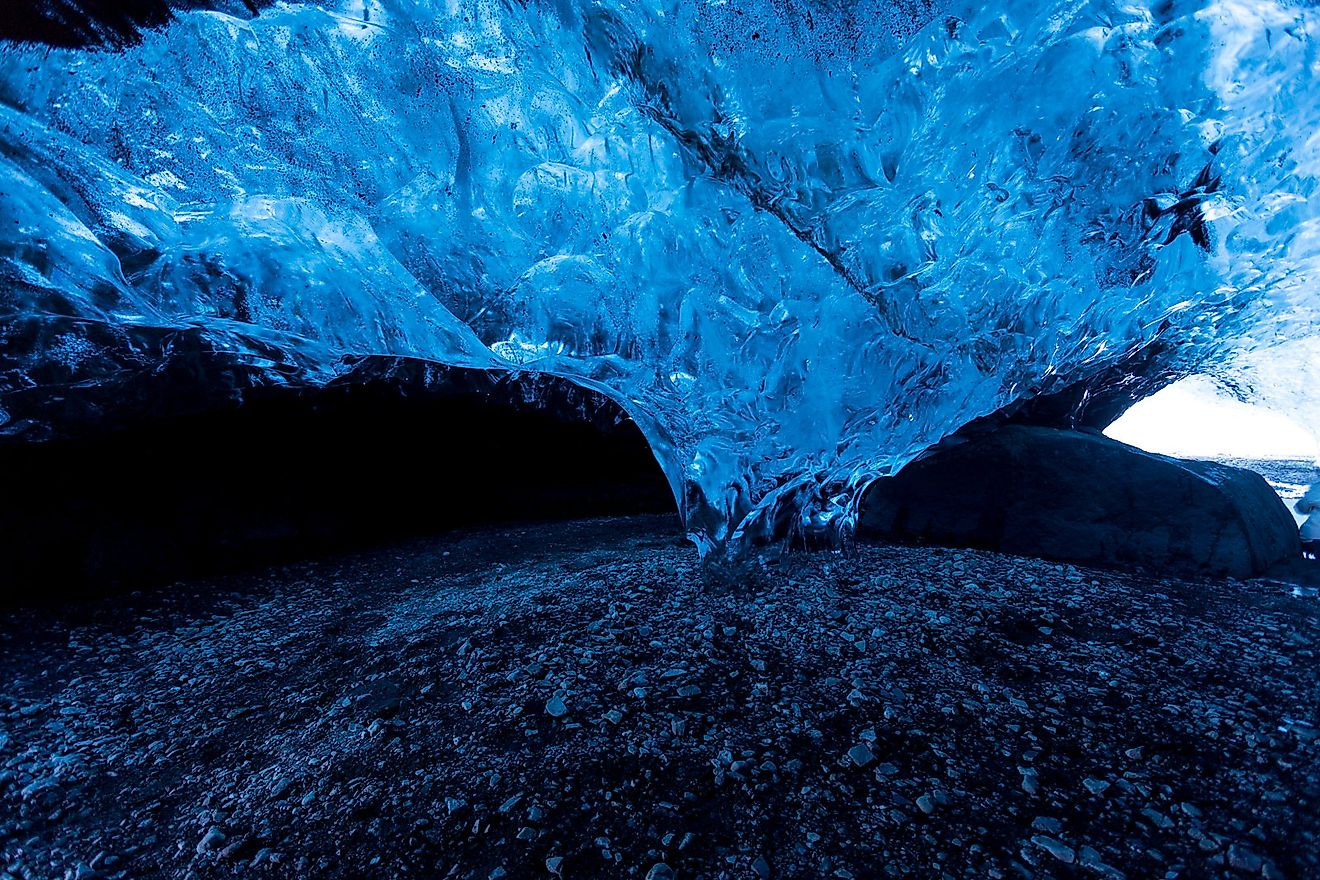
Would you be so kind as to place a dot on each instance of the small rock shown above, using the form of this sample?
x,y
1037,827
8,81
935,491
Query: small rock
x,y
660,871
1244,859
1158,819
1060,851
861,755
555,707
1095,786
212,840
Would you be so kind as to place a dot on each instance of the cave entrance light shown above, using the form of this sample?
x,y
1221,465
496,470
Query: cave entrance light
x,y
1194,419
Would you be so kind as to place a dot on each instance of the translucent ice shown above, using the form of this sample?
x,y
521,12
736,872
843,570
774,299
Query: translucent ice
x,y
799,242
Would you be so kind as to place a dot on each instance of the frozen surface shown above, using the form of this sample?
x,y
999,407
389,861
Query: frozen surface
x,y
799,242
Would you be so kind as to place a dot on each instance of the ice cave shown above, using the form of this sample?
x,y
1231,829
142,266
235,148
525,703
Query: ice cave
x,y
656,369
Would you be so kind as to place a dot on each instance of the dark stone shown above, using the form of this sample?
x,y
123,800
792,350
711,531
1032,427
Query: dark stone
x,y
1081,497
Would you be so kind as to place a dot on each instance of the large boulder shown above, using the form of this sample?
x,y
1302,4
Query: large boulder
x,y
1082,497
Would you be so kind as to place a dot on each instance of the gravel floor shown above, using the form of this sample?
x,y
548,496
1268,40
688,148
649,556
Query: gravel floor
x,y
576,700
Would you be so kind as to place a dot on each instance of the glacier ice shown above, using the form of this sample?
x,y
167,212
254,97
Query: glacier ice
x,y
799,242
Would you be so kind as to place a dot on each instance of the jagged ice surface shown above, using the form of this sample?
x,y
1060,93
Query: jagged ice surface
x,y
800,243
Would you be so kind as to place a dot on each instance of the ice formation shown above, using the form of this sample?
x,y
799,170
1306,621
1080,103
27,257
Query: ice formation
x,y
799,242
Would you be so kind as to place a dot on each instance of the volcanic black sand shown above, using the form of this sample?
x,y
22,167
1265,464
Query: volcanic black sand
x,y
577,700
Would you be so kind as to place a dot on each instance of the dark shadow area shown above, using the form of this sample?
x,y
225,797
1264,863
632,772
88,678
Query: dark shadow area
x,y
76,24
396,448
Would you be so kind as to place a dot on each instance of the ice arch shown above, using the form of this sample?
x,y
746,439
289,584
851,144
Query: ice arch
x,y
798,243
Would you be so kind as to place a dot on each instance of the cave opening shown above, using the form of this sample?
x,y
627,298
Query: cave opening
x,y
291,473
1193,418
383,290
1196,419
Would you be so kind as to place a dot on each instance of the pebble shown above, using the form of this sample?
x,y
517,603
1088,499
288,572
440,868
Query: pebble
x,y
1059,850
777,734
1046,824
212,840
1244,859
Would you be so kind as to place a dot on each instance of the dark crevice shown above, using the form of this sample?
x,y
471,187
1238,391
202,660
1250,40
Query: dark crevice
x,y
723,159
1092,403
396,448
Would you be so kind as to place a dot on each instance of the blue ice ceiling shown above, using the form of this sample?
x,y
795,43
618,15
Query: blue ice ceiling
x,y
799,241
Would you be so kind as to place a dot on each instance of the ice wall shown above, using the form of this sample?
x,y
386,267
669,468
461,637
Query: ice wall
x,y
799,242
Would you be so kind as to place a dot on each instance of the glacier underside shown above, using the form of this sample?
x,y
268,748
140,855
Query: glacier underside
x,y
799,243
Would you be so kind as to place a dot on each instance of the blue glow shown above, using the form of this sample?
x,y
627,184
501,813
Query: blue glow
x,y
799,246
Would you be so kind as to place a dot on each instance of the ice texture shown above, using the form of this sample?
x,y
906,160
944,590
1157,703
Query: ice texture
x,y
799,242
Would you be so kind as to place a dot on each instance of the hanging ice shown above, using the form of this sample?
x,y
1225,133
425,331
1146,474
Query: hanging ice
x,y
799,242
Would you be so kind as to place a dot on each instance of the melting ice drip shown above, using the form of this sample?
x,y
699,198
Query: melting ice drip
x,y
799,245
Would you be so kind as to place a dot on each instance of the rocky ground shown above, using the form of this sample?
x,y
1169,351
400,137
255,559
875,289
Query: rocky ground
x,y
576,700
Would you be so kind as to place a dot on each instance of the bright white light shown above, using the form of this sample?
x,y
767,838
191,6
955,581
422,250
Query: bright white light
x,y
1192,419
